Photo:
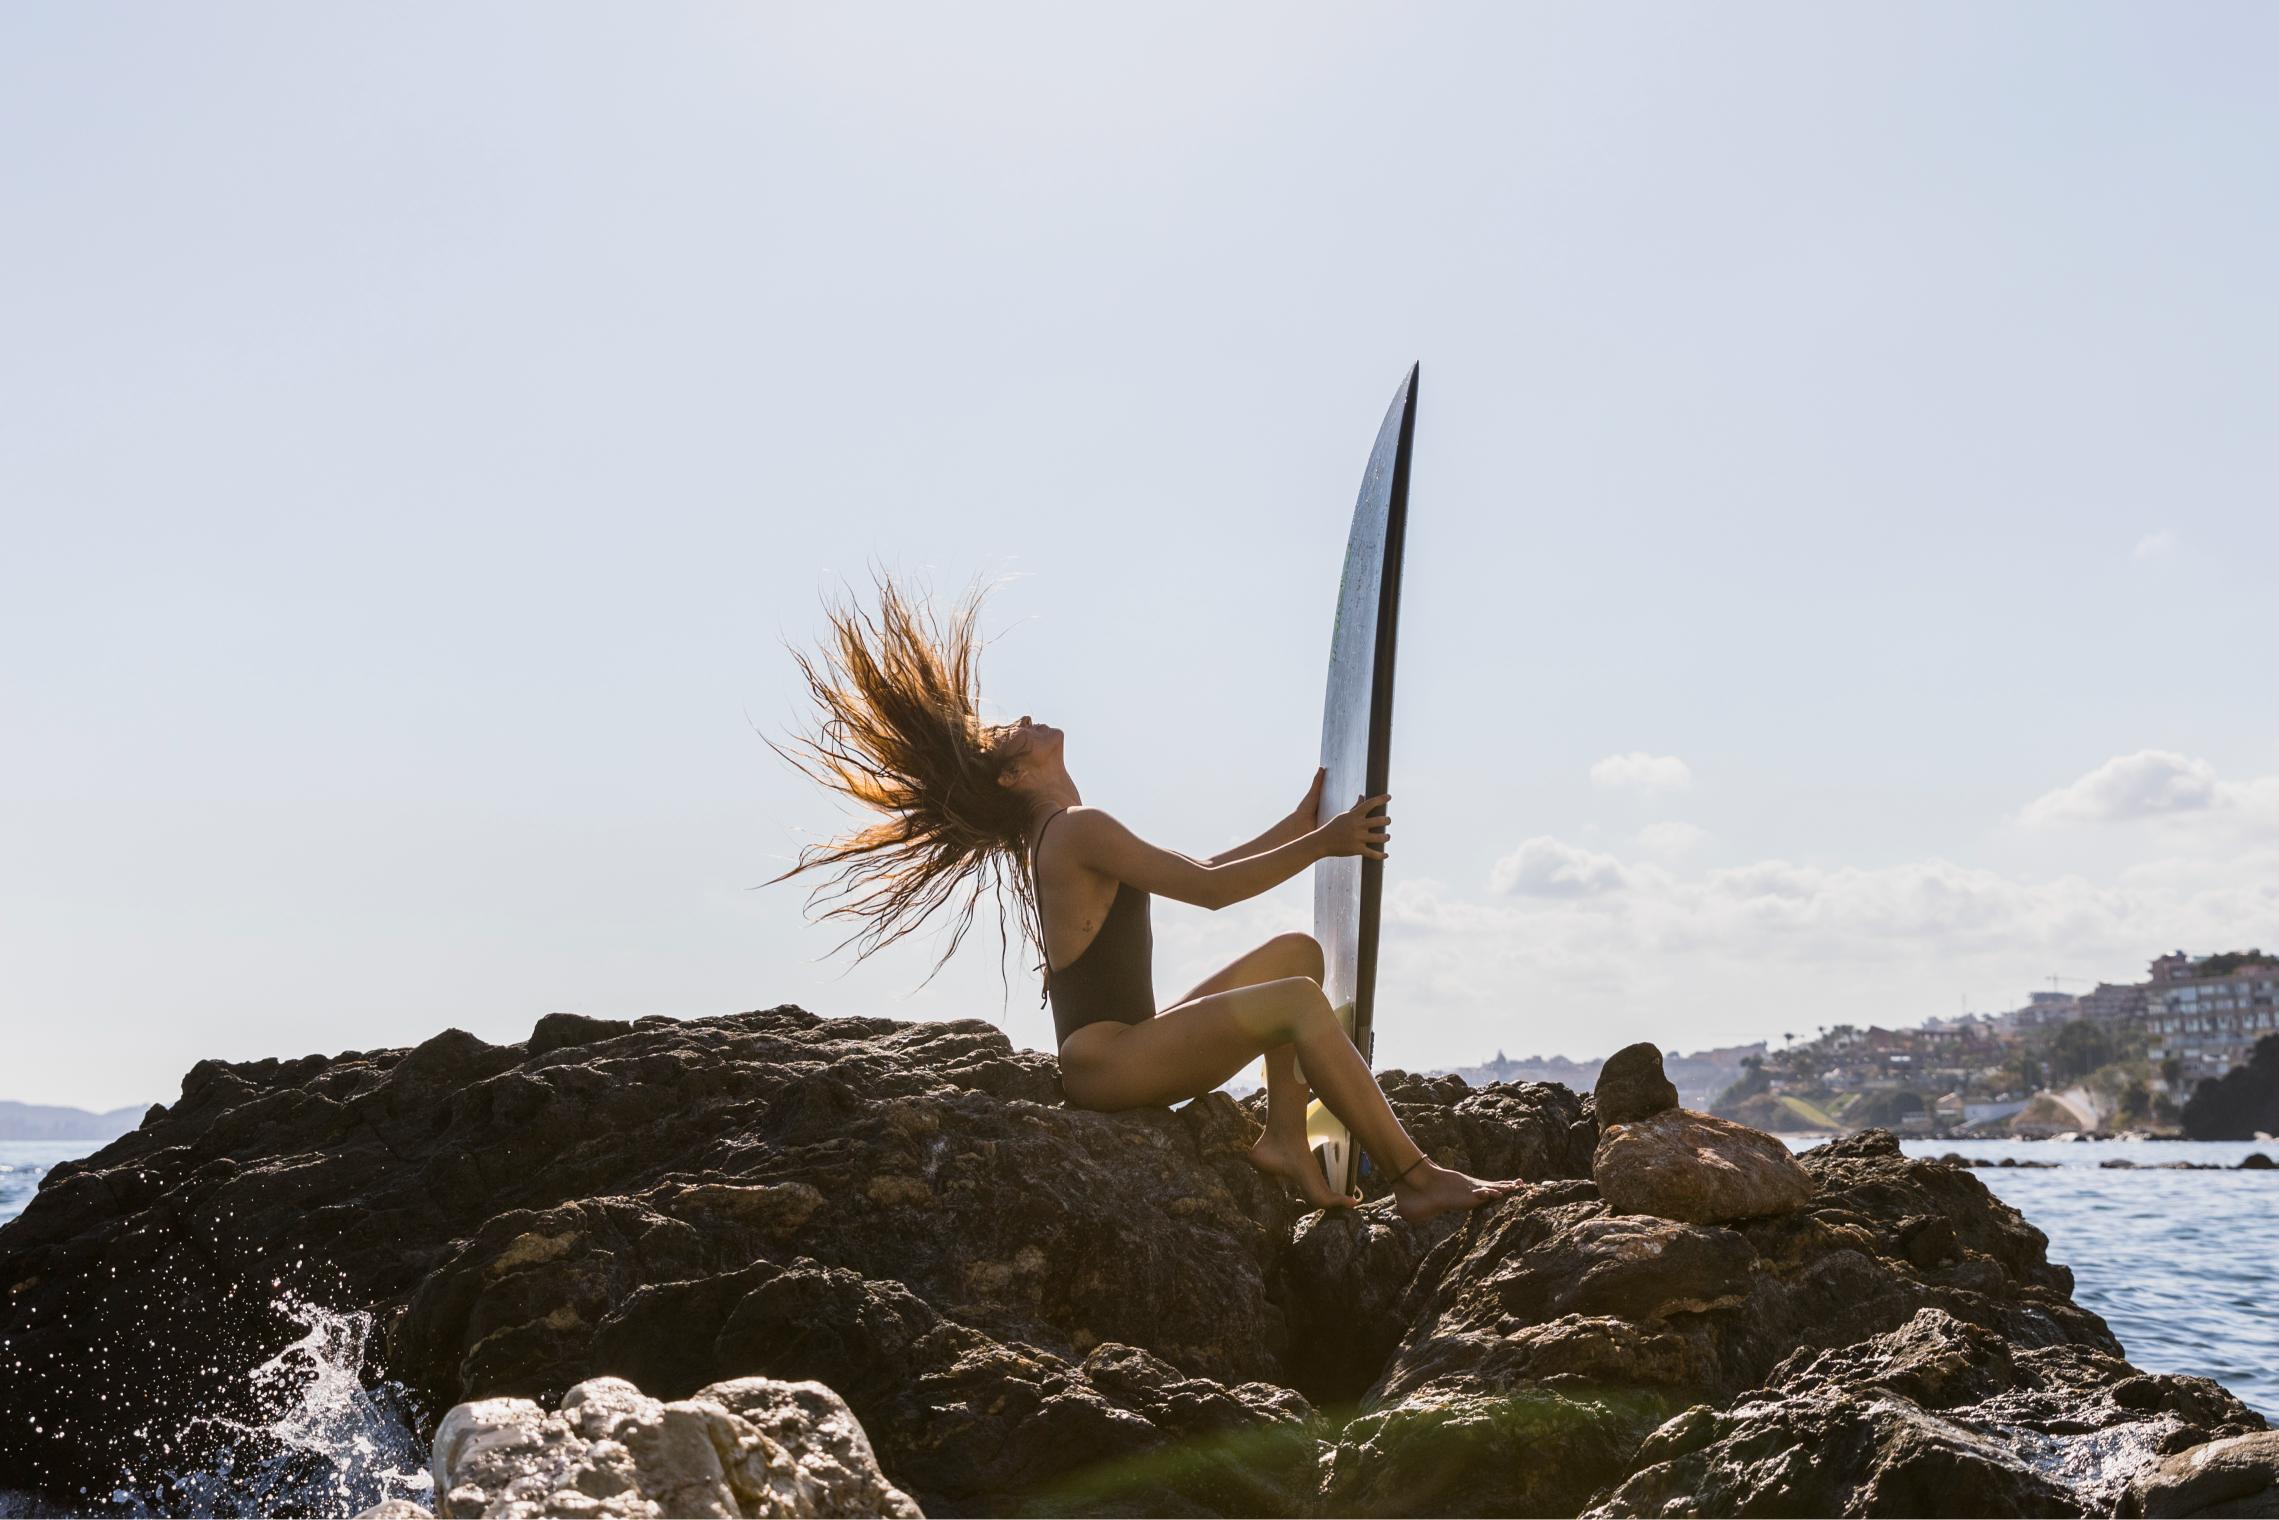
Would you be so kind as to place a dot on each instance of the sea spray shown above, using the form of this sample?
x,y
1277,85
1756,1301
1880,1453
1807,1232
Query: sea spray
x,y
323,1438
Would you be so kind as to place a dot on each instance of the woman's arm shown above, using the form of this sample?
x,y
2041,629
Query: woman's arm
x,y
1242,879
1101,842
1292,827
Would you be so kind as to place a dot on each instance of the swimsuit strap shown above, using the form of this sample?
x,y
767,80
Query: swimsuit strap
x,y
1044,990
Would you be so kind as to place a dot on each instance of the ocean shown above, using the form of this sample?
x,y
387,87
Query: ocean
x,y
2184,1265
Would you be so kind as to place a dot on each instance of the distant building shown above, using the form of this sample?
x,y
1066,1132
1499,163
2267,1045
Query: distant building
x,y
2174,966
2112,1003
2045,1008
2210,1024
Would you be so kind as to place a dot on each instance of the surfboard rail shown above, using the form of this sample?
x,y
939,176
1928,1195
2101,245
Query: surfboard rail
x,y
1356,753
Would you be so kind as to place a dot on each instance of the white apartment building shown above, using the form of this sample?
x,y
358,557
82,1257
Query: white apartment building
x,y
2211,1024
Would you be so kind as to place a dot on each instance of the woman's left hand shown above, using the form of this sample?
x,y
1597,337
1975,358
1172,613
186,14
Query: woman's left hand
x,y
1308,812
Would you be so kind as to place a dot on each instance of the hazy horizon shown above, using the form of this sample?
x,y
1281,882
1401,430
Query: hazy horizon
x,y
1836,587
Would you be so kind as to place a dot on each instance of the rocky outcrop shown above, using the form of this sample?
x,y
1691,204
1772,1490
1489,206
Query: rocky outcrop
x,y
1549,1338
1937,1417
755,1446
1697,1168
1029,1308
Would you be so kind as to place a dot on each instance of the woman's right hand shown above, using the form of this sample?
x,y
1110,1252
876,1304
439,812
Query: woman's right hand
x,y
1353,832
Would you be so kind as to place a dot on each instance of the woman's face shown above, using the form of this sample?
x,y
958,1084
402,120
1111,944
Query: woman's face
x,y
1022,745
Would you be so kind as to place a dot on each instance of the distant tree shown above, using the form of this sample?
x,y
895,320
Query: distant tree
x,y
2135,1103
2079,1049
1885,1109
2231,960
1754,1079
2241,1101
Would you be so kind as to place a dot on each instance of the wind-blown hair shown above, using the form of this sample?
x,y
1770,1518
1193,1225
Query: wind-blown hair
x,y
901,733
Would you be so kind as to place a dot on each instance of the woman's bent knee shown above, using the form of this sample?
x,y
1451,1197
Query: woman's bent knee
x,y
1302,951
1306,1006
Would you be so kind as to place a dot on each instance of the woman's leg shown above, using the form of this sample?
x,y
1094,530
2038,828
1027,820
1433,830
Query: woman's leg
x,y
1282,1150
1187,1050
1292,954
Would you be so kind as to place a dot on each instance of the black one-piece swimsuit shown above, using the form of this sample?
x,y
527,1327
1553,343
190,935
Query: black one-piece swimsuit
x,y
1114,977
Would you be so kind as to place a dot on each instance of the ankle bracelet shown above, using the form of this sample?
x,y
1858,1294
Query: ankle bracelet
x,y
1421,1158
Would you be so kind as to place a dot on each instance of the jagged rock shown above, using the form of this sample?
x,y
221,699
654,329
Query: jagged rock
x,y
1633,1086
964,1422
1031,1309
1698,1168
2235,1476
750,1447
1937,1417
1548,1336
495,1207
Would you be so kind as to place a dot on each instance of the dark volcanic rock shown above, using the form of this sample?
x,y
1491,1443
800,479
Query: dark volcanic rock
x,y
1035,1309
1632,1085
501,1209
1548,1336
1937,1417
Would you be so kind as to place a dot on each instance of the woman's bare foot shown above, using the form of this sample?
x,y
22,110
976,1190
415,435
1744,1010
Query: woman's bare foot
x,y
1429,1188
1294,1163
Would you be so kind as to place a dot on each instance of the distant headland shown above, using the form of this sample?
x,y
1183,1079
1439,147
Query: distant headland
x,y
40,1121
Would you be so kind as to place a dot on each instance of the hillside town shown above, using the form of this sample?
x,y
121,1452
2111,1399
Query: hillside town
x,y
2116,1059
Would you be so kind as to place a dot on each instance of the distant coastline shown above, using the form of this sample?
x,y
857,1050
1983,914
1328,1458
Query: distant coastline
x,y
41,1121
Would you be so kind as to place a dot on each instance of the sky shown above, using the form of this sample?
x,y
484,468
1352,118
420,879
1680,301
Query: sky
x,y
1838,581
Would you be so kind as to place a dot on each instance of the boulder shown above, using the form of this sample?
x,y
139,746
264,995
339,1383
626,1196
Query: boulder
x,y
1698,1168
755,1446
2236,1476
1632,1086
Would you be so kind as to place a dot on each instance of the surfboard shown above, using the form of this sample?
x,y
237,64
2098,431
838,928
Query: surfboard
x,y
1357,734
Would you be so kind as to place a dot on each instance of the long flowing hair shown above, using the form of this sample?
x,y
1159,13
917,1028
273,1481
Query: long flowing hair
x,y
901,733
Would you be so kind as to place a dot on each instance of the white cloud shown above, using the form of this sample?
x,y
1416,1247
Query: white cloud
x,y
2150,783
1639,771
1547,867
1619,950
2154,545
1671,840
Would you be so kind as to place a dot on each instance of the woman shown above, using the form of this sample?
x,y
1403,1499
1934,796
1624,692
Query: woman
x,y
994,804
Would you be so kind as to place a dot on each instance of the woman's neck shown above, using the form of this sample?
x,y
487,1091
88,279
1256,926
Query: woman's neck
x,y
1051,800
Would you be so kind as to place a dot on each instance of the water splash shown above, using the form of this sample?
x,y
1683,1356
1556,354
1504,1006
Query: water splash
x,y
324,1440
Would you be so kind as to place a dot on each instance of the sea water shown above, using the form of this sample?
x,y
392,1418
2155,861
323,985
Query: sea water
x,y
324,1439
2184,1265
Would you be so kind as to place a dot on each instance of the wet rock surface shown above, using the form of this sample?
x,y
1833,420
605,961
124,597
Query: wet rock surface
x,y
1034,1309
